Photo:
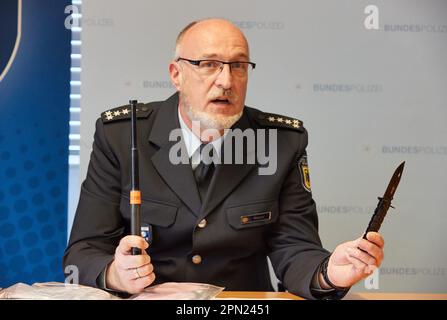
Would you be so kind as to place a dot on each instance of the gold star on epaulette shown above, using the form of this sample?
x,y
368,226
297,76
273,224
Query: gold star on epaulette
x,y
275,120
124,112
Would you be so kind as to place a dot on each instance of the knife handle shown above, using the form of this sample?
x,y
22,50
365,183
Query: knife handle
x,y
378,216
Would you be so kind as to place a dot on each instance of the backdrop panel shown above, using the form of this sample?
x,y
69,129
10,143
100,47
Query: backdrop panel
x,y
34,102
368,82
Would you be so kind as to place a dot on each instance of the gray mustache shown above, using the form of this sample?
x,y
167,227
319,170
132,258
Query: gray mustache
x,y
227,94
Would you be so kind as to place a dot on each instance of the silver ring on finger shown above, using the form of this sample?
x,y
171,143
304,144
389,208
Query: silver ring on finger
x,y
137,273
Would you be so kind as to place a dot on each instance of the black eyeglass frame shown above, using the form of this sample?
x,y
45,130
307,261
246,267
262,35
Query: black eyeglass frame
x,y
197,62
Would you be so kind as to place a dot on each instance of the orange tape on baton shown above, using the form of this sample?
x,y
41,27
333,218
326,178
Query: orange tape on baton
x,y
135,197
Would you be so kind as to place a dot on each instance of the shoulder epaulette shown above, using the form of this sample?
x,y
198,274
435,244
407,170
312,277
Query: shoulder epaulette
x,y
276,120
124,112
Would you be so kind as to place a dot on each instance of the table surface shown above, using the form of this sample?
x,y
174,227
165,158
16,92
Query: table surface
x,y
349,296
257,295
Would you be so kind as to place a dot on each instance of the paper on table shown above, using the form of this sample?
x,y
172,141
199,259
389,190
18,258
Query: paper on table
x,y
65,291
54,291
179,291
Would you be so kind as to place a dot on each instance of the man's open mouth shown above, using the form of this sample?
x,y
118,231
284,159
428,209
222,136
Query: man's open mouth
x,y
222,101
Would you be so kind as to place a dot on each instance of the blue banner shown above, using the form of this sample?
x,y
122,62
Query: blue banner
x,y
34,115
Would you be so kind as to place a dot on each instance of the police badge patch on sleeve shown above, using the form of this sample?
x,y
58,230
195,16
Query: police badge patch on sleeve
x,y
304,170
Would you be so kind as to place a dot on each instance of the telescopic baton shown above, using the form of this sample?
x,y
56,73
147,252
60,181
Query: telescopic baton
x,y
135,194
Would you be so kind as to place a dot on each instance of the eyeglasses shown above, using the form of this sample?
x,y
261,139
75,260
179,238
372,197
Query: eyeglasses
x,y
211,67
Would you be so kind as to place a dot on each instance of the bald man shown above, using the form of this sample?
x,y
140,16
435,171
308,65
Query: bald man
x,y
209,221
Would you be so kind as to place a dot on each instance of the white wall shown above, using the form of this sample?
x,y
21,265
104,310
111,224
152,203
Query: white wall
x,y
391,96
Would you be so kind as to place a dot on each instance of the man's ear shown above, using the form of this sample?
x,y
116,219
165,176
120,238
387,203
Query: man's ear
x,y
175,75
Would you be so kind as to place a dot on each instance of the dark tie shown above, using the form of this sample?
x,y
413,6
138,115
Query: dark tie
x,y
203,173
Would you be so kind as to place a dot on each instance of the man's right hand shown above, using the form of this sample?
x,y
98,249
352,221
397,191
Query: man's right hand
x,y
130,273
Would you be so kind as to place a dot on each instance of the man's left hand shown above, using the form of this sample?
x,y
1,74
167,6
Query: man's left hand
x,y
348,264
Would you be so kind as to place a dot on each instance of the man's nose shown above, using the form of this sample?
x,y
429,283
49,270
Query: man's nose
x,y
224,79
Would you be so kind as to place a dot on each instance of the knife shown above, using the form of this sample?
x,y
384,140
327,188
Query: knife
x,y
385,201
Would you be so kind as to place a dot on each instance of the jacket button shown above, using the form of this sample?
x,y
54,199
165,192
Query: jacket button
x,y
202,223
196,259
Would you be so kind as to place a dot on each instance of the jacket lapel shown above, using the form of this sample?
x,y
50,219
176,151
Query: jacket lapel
x,y
179,177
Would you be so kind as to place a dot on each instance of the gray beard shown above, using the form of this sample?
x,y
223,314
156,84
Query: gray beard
x,y
208,121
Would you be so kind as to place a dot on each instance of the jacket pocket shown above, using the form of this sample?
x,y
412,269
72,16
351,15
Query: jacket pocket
x,y
158,214
152,212
252,215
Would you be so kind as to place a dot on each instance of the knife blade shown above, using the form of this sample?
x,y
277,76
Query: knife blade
x,y
385,201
